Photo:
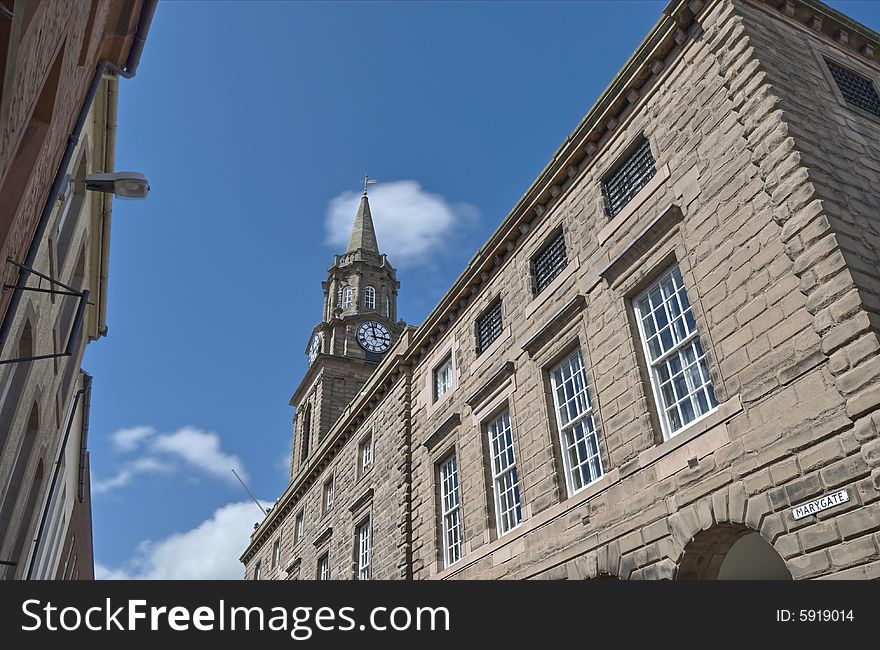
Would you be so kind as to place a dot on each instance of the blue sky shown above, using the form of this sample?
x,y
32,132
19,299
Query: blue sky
x,y
254,123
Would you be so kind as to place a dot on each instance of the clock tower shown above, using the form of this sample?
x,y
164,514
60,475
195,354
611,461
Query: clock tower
x,y
358,326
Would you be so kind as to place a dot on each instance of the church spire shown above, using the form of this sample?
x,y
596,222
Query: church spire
x,y
363,235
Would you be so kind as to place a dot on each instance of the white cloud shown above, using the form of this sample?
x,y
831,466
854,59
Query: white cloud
x,y
126,440
167,452
411,224
200,449
123,477
209,551
282,462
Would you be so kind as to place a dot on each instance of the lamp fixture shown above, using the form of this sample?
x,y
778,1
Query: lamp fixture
x,y
125,185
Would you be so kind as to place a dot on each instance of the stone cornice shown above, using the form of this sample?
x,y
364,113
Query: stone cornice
x,y
821,19
585,144
320,362
579,151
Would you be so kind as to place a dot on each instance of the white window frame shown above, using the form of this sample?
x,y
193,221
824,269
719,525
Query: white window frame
x,y
369,298
324,567
257,567
276,552
347,297
365,454
443,378
451,528
365,550
574,419
689,340
505,478
328,495
299,527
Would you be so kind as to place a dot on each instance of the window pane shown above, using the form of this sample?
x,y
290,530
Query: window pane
x,y
505,479
443,378
856,89
489,326
580,445
365,551
549,262
678,367
450,511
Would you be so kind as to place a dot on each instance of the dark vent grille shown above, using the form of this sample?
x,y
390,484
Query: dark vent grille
x,y
855,89
549,263
629,177
489,327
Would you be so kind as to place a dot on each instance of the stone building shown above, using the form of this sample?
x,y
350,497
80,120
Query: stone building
x,y
59,74
665,362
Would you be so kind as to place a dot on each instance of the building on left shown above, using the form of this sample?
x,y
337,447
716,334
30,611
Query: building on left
x,y
60,66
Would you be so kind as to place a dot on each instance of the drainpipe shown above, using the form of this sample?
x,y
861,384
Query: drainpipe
x,y
87,385
128,71
110,111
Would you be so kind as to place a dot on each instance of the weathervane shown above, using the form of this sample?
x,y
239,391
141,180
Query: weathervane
x,y
368,181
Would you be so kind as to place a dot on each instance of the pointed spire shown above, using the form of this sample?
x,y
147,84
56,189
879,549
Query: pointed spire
x,y
363,235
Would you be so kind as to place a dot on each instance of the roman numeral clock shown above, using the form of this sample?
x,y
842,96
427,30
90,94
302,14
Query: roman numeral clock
x,y
373,337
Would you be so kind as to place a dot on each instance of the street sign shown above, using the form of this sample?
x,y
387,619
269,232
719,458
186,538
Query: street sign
x,y
818,505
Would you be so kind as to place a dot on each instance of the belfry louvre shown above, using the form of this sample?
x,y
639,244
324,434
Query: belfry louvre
x,y
704,364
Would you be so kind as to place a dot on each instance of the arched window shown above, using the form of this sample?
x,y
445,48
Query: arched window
x,y
70,212
306,430
347,294
24,528
12,486
13,384
370,298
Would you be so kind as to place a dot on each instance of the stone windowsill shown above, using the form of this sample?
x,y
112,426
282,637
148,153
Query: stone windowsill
x,y
712,423
538,301
635,203
489,353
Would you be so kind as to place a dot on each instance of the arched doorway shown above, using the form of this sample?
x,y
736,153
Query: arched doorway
x,y
731,552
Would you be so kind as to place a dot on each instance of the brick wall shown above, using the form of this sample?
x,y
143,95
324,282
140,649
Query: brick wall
x,y
53,34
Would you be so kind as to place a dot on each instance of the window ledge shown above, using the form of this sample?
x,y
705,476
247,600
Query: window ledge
x,y
490,352
723,413
635,203
564,315
440,432
713,425
636,249
323,537
363,500
501,373
538,301
365,475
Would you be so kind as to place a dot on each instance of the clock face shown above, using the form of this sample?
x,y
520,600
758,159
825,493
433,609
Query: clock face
x,y
373,336
314,348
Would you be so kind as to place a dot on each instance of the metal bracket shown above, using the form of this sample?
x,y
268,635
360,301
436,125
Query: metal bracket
x,y
68,291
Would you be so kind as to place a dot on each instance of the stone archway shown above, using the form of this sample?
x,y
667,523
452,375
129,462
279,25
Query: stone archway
x,y
730,552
